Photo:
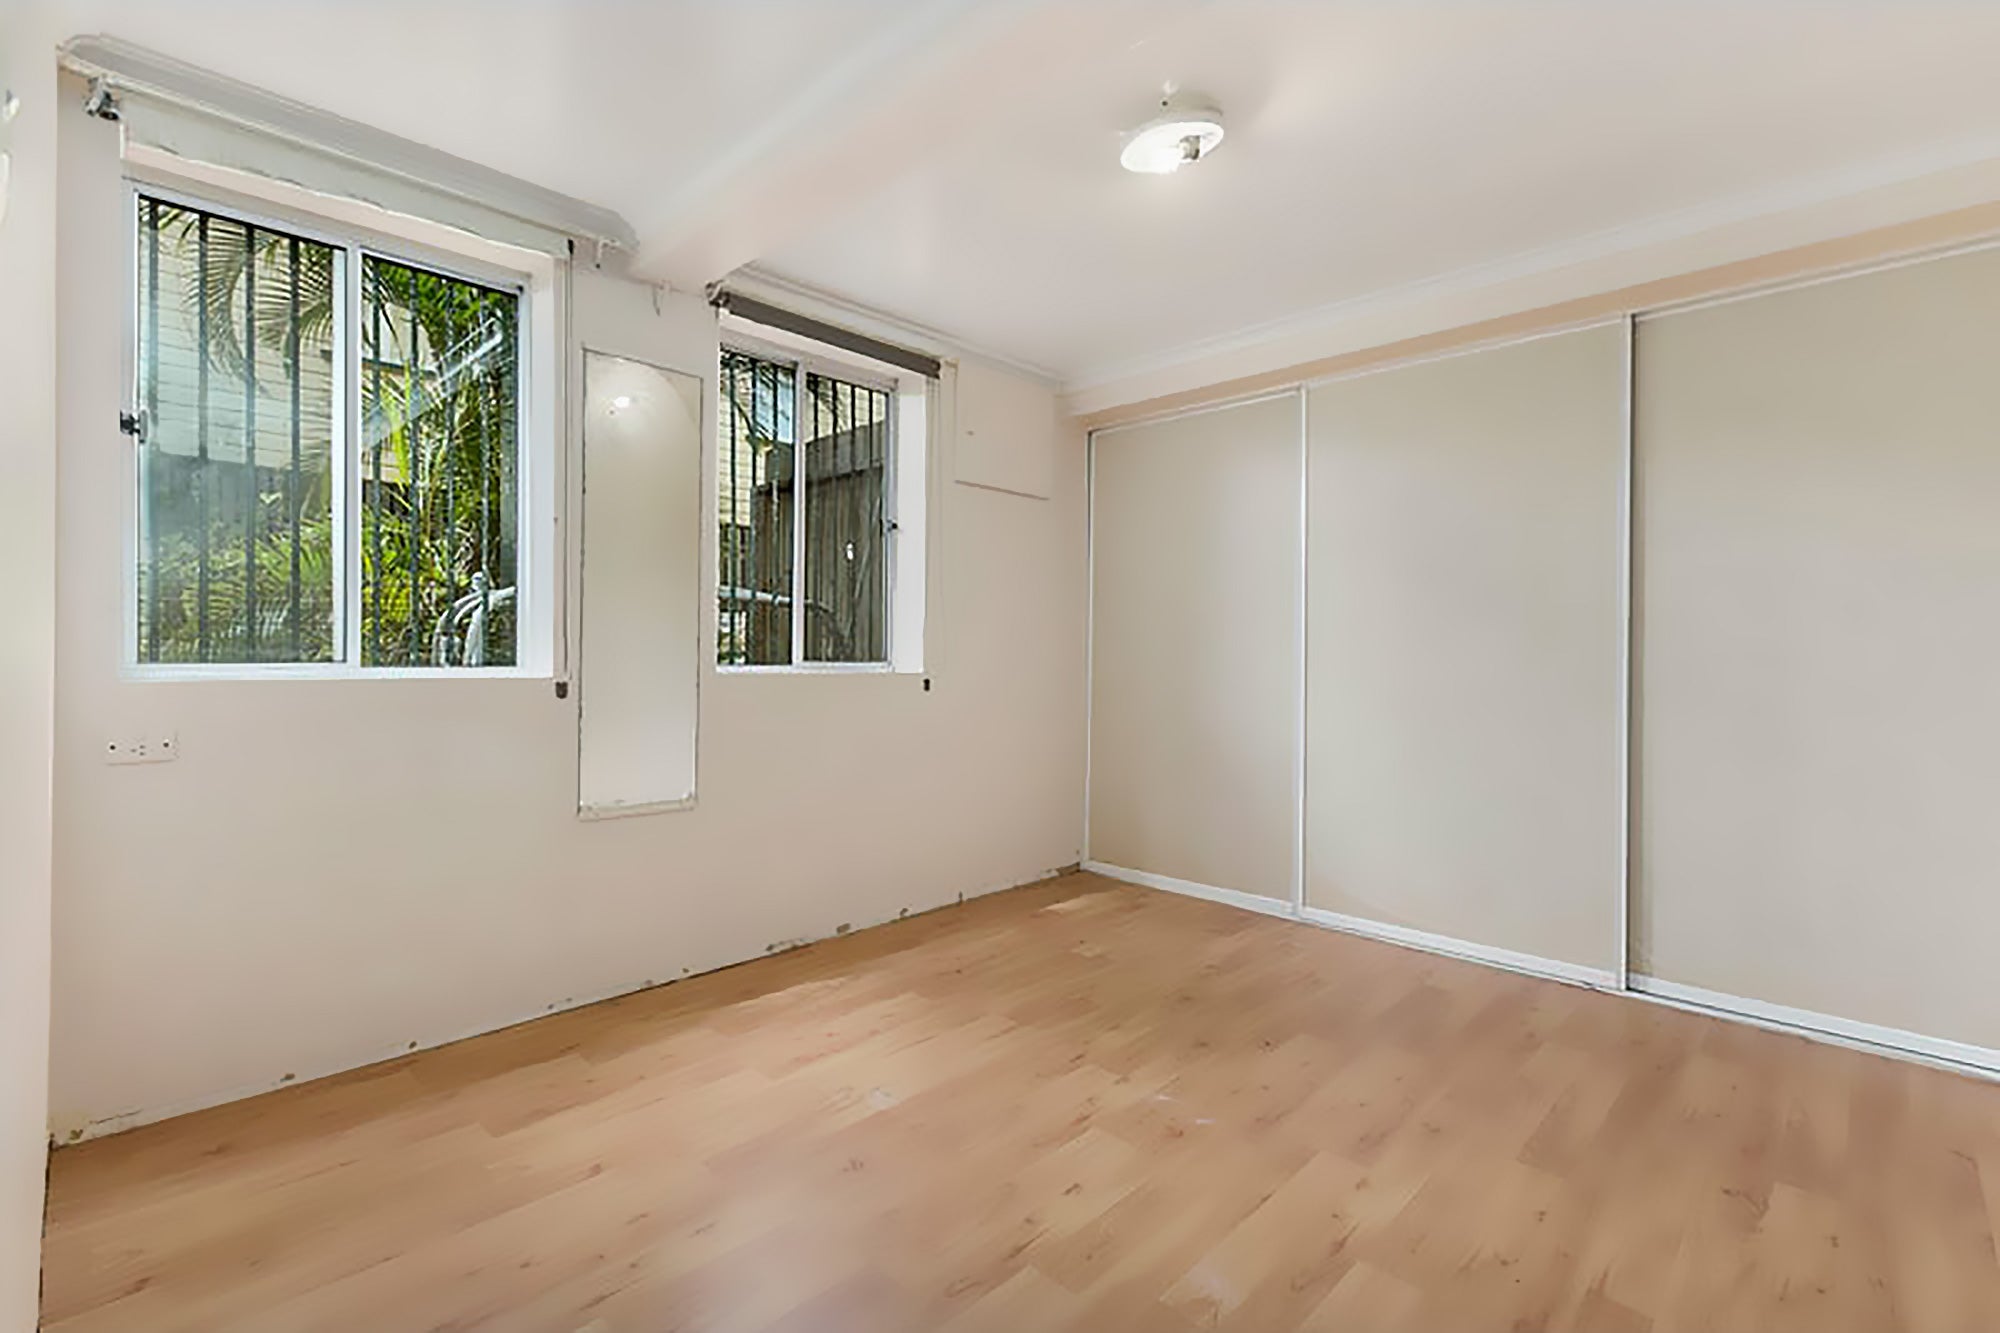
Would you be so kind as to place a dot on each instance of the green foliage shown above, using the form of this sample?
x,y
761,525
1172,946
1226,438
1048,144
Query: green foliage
x,y
438,463
230,623
234,253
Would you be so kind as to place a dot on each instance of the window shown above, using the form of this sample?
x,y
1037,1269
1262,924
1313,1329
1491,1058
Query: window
x,y
329,457
804,577
438,495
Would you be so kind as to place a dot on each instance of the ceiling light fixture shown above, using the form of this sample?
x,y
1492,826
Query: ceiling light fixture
x,y
1186,130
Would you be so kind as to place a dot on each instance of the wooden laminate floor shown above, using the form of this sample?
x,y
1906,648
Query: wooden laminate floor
x,y
1077,1106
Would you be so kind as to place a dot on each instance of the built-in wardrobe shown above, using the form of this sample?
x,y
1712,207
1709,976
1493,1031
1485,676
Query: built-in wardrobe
x,y
1660,654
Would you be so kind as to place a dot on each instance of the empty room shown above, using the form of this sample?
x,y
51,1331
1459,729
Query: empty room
x,y
986,666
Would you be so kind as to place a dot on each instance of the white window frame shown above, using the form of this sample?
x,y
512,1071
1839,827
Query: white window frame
x,y
536,435
804,361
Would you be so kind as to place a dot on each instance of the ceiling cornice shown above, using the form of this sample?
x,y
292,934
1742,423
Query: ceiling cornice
x,y
1939,180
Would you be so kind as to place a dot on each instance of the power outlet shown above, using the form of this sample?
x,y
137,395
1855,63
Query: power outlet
x,y
153,748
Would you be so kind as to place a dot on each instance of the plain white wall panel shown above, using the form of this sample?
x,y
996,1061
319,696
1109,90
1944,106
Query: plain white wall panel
x,y
1819,490
29,236
1195,647
335,869
1004,440
1464,661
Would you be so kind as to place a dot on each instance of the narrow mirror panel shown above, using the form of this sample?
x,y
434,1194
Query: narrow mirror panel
x,y
640,640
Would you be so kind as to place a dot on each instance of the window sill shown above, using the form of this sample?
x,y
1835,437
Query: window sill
x,y
322,672
814,669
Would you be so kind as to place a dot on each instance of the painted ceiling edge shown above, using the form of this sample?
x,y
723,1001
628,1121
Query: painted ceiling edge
x,y
125,67
1829,257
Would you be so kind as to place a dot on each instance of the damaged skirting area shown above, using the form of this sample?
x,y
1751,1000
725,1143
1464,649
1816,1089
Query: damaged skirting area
x,y
66,1130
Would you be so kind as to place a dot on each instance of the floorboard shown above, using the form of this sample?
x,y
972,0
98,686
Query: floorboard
x,y
1076,1106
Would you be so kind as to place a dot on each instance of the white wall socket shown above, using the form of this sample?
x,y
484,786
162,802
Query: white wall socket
x,y
145,748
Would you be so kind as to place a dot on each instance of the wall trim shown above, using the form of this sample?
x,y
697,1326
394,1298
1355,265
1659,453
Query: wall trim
x,y
1799,213
1187,888
1476,347
1199,409
1500,315
1871,1038
1628,647
67,1130
1089,627
1955,1056
1817,278
1302,618
1534,965
1549,969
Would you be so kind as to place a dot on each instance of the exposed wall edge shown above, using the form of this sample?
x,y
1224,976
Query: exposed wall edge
x,y
1895,1043
1551,969
73,1129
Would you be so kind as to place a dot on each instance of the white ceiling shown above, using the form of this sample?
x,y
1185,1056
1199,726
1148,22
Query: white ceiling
x,y
1374,146
954,162
613,101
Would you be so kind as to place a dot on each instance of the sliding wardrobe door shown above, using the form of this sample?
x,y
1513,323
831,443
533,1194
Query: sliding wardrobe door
x,y
1819,785
1194,682
1465,662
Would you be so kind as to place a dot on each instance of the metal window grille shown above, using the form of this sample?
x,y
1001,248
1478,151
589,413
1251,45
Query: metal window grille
x,y
438,509
237,380
804,523
256,492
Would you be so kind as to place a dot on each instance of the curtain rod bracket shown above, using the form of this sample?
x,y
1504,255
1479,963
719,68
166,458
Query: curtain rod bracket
x,y
101,101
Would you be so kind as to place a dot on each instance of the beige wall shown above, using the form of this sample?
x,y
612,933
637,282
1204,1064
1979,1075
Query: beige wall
x,y
1195,647
334,871
1465,676
1820,724
28,239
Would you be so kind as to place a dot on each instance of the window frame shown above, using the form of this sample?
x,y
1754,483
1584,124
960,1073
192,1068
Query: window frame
x,y
802,363
534,610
